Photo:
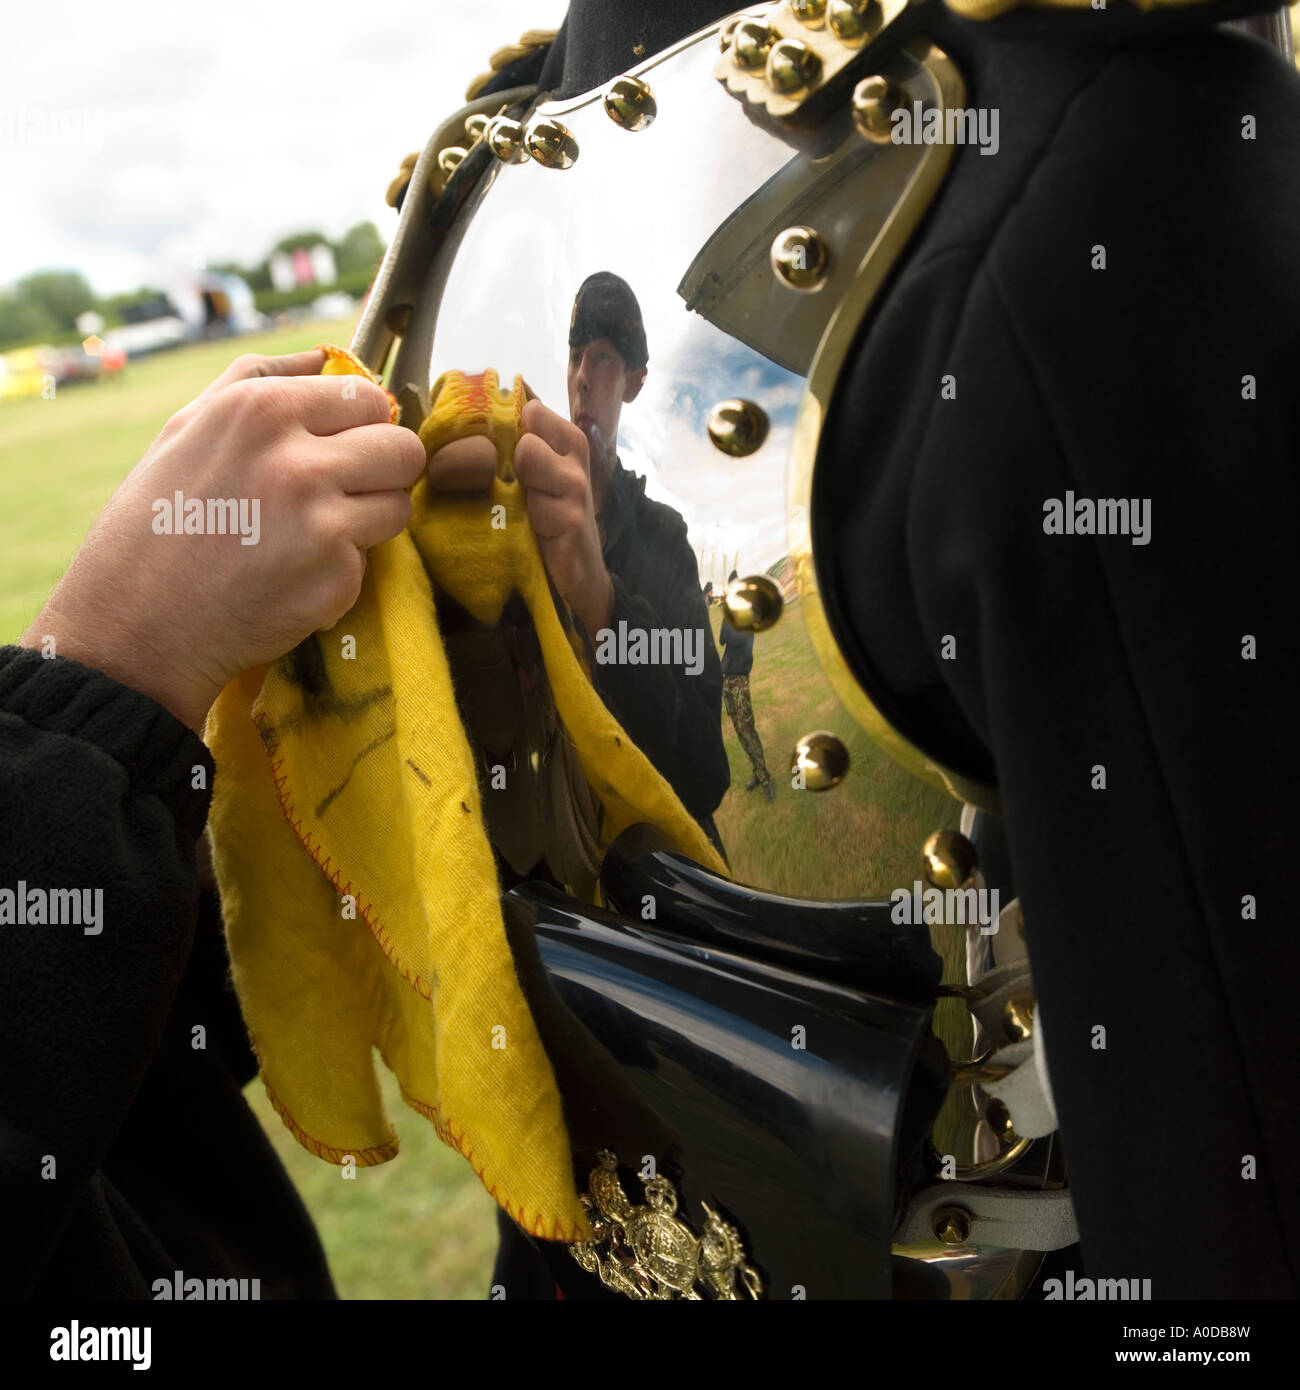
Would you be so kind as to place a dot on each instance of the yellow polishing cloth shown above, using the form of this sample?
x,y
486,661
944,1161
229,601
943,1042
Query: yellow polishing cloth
x,y
357,882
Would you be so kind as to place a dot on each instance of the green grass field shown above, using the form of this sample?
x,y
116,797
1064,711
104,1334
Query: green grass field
x,y
422,1226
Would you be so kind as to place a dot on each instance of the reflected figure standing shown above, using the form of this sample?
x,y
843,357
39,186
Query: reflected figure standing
x,y
737,662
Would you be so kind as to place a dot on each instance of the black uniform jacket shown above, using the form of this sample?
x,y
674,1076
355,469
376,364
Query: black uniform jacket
x,y
127,1152
1144,747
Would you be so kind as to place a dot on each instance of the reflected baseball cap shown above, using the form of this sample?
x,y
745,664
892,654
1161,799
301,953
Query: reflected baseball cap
x,y
605,307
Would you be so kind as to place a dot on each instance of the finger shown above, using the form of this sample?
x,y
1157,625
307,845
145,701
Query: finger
x,y
327,405
253,364
464,465
372,458
551,517
539,468
561,434
372,518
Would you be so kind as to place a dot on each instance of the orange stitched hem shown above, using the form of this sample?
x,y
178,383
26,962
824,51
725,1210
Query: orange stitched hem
x,y
366,911
554,1230
366,1158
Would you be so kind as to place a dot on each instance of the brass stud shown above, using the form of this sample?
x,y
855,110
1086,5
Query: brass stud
x,y
505,138
450,159
1018,1017
851,20
875,99
750,42
476,126
398,319
630,103
792,67
998,1118
738,428
810,13
551,144
949,859
753,604
952,1225
822,760
801,258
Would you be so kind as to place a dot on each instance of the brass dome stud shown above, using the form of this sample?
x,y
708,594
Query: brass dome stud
x,y
1018,1018
753,604
750,41
450,159
810,13
476,126
630,103
801,258
739,428
853,20
951,1225
948,859
792,67
821,759
505,138
551,144
875,99
998,1118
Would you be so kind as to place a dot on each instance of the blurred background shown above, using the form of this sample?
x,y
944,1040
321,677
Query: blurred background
x,y
182,184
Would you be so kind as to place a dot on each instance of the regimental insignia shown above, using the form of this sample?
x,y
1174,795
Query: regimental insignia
x,y
648,1252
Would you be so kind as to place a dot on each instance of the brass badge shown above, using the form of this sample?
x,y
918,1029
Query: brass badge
x,y
646,1252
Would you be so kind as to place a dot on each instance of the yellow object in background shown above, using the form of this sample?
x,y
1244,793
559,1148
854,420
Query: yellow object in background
x,y
358,885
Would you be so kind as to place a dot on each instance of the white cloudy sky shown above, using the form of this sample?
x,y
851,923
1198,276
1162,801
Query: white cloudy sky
x,y
139,137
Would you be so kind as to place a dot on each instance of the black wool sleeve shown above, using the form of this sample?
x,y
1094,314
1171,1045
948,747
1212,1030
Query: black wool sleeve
x,y
102,797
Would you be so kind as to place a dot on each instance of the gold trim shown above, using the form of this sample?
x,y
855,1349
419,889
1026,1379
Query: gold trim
x,y
823,377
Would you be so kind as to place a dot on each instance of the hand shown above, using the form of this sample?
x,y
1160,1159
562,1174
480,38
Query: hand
x,y
178,616
553,464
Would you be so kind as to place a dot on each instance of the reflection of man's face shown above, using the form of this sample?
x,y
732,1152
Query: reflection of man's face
x,y
599,387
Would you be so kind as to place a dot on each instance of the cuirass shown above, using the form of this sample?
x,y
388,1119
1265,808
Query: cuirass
x,y
745,186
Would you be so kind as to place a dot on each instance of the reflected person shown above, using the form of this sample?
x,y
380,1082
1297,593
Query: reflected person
x,y
737,663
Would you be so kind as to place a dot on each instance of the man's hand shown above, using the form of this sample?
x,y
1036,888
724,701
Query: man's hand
x,y
552,463
177,616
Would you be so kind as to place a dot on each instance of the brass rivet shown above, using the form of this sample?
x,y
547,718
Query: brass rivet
x,y
450,159
951,1225
811,13
630,103
750,42
851,20
821,759
948,859
801,258
753,604
999,1121
738,428
1018,1017
398,319
551,144
875,99
476,125
792,67
505,138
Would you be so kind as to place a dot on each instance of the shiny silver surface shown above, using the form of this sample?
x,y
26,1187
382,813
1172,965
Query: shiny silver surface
x,y
686,212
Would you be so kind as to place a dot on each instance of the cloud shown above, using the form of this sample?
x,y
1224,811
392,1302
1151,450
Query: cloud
x,y
136,139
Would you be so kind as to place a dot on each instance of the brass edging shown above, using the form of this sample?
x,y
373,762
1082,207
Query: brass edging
x,y
832,353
